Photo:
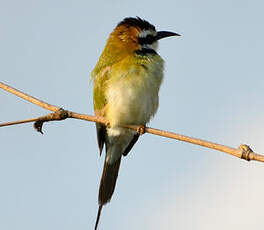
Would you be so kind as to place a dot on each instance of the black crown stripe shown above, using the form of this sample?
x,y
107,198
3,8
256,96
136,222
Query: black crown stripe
x,y
141,23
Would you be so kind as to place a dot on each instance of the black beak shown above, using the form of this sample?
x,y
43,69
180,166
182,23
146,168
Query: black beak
x,y
164,34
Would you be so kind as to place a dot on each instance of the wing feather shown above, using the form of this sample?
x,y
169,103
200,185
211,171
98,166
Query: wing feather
x,y
99,104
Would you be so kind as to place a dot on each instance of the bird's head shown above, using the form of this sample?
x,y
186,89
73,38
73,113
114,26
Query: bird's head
x,y
136,34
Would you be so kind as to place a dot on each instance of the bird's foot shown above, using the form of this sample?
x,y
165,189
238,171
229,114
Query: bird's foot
x,y
141,129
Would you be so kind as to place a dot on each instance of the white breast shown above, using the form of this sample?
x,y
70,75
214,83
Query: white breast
x,y
133,97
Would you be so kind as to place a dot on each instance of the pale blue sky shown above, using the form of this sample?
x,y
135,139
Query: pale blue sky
x,y
213,89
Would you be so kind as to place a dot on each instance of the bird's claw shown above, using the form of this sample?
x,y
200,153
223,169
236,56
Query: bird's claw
x,y
141,129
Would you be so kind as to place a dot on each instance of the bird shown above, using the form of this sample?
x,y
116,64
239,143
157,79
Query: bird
x,y
126,79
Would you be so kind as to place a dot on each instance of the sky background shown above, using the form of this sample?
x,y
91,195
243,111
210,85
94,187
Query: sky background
x,y
213,89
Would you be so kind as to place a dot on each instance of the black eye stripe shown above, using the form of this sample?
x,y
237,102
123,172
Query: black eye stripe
x,y
149,39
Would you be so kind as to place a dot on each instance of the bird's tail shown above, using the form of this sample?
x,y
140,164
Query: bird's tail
x,y
107,185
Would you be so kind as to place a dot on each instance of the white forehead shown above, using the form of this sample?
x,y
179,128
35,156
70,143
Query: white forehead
x,y
145,33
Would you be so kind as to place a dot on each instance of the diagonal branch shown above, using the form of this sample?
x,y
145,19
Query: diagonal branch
x,y
243,151
28,97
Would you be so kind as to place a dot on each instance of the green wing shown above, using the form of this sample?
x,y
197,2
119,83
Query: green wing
x,y
110,56
99,104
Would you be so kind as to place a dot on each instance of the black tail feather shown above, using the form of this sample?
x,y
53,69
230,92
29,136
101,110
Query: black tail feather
x,y
108,181
131,144
98,216
107,185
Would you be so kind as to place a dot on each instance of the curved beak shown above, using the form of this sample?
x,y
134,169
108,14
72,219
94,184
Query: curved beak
x,y
164,34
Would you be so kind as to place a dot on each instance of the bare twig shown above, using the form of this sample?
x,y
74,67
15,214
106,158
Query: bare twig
x,y
19,122
29,98
243,151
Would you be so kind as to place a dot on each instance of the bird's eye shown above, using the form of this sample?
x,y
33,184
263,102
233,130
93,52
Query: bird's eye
x,y
149,39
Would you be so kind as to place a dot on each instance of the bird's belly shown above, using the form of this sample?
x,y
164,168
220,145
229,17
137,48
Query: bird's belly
x,y
131,102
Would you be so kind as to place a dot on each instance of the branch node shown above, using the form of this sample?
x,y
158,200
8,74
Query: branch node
x,y
245,151
38,126
59,115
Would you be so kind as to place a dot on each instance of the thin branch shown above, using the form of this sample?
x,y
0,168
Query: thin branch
x,y
19,122
243,151
28,97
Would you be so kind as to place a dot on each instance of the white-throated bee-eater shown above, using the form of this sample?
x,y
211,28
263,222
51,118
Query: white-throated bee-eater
x,y
127,80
